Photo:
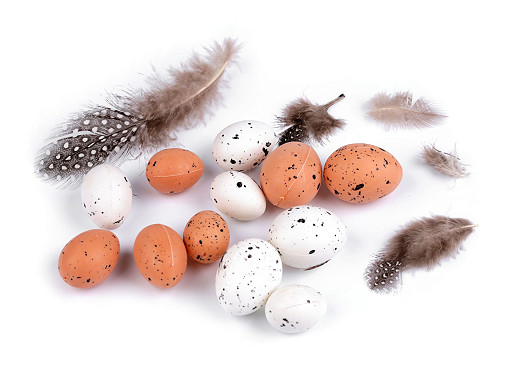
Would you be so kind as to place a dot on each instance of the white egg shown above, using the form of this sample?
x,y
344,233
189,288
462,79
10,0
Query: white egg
x,y
295,308
247,274
307,236
106,195
238,196
243,145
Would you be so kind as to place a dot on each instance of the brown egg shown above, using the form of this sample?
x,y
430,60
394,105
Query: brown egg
x,y
291,175
206,237
361,173
89,258
160,255
174,170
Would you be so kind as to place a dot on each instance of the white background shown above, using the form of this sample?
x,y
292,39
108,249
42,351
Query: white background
x,y
450,324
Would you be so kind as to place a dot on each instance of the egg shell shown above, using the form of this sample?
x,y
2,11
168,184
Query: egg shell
x,y
243,145
361,173
295,308
307,236
89,258
206,237
174,170
247,274
238,196
291,175
160,255
106,196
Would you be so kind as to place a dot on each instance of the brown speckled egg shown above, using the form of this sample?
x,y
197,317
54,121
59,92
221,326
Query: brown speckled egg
x,y
361,173
206,237
160,255
89,258
291,175
173,170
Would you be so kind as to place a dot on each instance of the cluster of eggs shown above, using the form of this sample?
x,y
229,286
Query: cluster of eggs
x,y
249,272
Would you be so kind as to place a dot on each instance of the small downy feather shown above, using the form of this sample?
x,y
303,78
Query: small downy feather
x,y
444,162
137,121
399,110
421,243
302,120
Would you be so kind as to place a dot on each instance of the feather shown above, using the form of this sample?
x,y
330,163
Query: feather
x,y
304,121
137,121
421,243
398,110
447,163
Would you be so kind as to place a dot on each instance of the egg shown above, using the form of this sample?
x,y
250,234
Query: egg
x,y
206,237
361,173
89,258
295,308
106,196
307,237
291,175
243,145
160,255
238,196
247,274
174,170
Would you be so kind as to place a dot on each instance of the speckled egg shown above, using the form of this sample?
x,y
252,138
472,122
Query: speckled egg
x,y
361,173
247,274
174,170
307,237
89,258
160,255
206,237
238,196
291,175
243,145
106,196
295,308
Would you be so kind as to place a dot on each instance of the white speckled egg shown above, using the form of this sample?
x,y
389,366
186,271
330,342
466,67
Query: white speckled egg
x,y
247,274
238,196
106,196
295,308
243,145
307,236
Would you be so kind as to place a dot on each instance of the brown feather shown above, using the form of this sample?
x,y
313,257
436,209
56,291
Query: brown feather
x,y
138,121
304,121
446,163
398,110
421,243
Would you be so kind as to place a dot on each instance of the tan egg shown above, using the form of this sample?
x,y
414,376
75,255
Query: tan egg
x,y
291,175
89,258
173,170
206,237
361,173
160,255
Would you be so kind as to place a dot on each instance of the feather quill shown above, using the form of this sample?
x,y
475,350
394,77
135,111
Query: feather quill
x,y
137,121
444,162
399,110
302,120
421,243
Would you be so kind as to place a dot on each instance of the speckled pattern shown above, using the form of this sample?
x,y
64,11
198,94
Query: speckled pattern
x,y
174,170
238,196
247,274
361,173
106,196
89,258
160,255
295,308
243,145
291,175
307,236
206,237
